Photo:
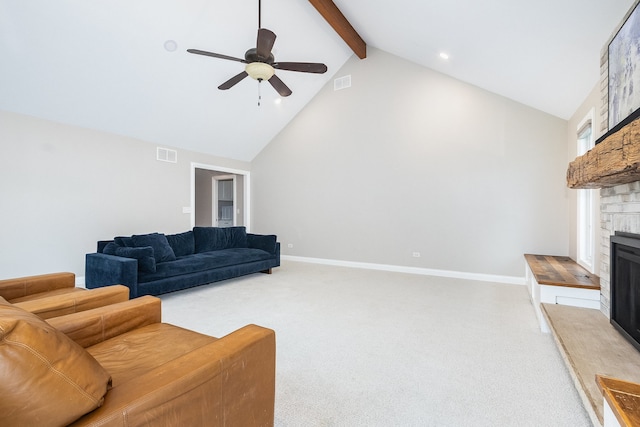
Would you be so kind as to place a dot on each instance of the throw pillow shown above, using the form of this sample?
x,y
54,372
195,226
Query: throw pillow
x,y
162,252
46,379
144,255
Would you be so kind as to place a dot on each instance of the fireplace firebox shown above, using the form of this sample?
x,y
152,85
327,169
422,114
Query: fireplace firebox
x,y
625,285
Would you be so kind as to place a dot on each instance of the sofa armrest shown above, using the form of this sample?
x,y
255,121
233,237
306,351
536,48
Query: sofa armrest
x,y
106,270
91,327
230,382
265,242
59,305
22,286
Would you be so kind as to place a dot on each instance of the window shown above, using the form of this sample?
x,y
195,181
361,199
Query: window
x,y
587,214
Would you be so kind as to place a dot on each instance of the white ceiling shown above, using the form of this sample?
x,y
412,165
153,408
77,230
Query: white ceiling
x,y
102,64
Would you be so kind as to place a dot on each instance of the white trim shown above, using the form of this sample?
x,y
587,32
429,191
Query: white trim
x,y
590,118
587,121
512,280
247,190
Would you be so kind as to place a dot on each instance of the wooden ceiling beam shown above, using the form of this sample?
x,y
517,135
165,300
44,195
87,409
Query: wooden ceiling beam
x,y
343,27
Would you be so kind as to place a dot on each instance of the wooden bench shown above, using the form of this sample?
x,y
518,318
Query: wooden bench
x,y
559,280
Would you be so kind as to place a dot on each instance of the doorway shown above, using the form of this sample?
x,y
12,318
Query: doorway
x,y
224,213
208,183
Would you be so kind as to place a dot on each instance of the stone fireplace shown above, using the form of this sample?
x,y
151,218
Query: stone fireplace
x,y
619,211
613,166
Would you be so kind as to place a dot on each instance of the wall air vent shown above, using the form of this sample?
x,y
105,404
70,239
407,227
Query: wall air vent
x,y
342,82
167,155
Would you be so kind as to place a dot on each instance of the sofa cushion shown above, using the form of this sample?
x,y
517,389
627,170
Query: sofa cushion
x,y
266,242
182,243
204,261
126,241
162,252
144,255
45,377
217,238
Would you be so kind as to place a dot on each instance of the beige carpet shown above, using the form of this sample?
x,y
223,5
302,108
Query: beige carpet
x,y
373,348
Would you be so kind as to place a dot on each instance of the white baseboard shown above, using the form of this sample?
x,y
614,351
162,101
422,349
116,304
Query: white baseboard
x,y
512,280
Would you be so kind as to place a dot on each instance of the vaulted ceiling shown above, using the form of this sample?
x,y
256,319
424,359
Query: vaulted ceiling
x,y
108,65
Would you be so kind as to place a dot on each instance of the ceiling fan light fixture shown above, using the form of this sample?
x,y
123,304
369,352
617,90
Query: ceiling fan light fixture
x,y
260,70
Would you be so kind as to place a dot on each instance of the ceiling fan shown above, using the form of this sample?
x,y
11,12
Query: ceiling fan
x,y
261,64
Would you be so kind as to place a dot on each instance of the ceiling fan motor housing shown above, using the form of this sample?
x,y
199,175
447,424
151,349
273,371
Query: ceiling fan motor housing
x,y
252,56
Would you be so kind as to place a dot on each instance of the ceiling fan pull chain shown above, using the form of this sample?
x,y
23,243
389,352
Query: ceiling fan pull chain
x,y
259,93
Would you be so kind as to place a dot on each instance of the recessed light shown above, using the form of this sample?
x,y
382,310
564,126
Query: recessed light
x,y
170,45
444,55
277,101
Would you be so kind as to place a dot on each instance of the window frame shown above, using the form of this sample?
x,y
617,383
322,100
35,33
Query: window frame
x,y
587,202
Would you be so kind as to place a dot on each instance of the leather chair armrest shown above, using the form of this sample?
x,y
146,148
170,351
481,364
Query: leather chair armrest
x,y
90,327
29,285
60,305
230,382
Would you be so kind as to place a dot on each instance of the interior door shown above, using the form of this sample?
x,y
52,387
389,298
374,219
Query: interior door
x,y
224,196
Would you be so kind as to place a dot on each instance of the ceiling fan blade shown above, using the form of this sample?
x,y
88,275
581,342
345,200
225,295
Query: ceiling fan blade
x,y
215,55
264,44
233,81
279,86
304,67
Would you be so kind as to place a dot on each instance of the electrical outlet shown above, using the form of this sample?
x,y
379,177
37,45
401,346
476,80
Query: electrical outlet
x,y
290,245
416,254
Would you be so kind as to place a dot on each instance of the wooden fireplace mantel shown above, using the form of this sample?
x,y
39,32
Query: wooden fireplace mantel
x,y
613,161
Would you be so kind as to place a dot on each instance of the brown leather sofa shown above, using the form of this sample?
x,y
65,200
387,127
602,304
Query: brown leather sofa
x,y
118,365
33,287
55,294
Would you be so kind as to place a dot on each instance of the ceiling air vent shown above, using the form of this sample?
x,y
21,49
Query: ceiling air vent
x,y
166,155
342,82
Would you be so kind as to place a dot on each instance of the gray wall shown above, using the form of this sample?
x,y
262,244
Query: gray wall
x,y
63,188
409,160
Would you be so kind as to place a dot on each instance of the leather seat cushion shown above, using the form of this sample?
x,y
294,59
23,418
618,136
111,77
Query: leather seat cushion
x,y
134,353
61,291
46,379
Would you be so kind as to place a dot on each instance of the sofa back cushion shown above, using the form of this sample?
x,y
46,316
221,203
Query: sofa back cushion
x,y
182,243
46,379
217,238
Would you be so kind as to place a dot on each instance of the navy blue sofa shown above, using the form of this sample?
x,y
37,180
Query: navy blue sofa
x,y
154,264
